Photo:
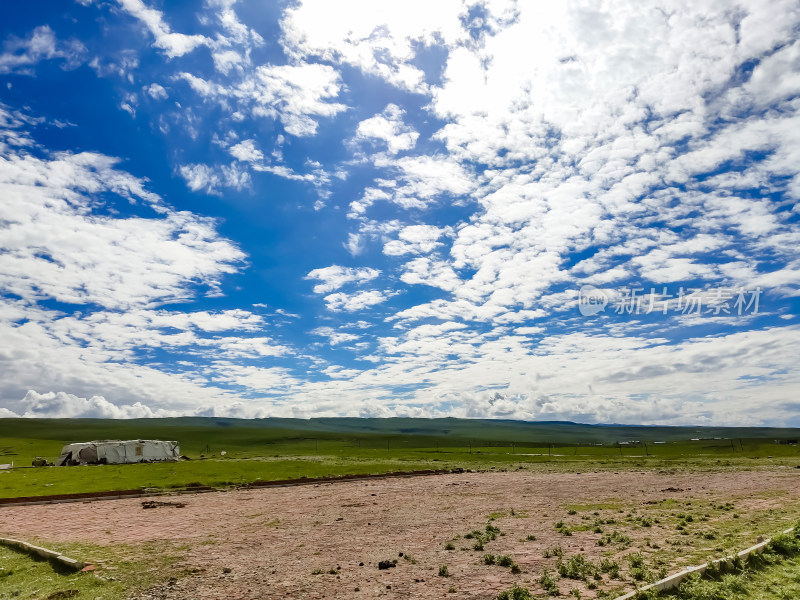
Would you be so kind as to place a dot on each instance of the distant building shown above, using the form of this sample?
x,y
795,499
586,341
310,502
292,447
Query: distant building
x,y
116,452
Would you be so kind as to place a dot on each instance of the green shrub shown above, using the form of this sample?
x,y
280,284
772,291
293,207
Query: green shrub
x,y
549,582
515,593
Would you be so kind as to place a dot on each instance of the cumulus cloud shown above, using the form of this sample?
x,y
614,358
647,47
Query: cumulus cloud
x,y
246,151
389,128
357,301
60,405
336,276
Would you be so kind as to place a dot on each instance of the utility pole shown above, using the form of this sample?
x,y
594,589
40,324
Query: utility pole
x,y
512,447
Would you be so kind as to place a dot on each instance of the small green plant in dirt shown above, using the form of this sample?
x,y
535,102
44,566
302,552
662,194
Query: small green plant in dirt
x,y
563,528
577,567
452,589
443,572
489,559
515,593
449,546
549,582
614,538
553,551
610,566
638,571
530,538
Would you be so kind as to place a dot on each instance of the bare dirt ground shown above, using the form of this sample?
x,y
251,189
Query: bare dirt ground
x,y
266,543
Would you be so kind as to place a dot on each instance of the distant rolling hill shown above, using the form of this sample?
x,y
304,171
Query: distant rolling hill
x,y
445,429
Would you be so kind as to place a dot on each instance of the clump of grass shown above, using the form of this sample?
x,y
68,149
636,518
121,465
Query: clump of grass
x,y
615,537
553,551
610,566
449,546
577,567
639,572
489,559
443,571
530,537
563,528
549,582
515,593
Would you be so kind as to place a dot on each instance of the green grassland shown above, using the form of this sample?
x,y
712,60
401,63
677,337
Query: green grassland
x,y
273,449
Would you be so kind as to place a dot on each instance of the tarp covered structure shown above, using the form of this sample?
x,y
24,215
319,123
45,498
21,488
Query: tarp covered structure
x,y
115,452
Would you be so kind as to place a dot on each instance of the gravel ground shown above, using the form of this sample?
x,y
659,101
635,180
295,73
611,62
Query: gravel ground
x,y
266,543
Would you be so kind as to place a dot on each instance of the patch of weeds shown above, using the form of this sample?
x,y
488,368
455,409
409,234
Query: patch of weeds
x,y
562,528
516,593
553,551
489,559
614,538
452,589
530,537
577,567
639,572
549,582
610,566
443,572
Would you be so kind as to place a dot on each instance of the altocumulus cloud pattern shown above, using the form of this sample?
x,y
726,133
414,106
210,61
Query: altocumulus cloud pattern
x,y
357,208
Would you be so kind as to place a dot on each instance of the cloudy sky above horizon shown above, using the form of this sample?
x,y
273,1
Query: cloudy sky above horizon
x,y
315,208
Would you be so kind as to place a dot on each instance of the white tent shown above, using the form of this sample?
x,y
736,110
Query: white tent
x,y
115,452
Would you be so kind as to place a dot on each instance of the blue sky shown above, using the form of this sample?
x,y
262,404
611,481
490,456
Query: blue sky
x,y
479,209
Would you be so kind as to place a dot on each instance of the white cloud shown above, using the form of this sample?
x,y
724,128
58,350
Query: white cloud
x,y
356,301
157,92
336,276
21,54
335,336
173,44
246,151
388,127
416,239
60,405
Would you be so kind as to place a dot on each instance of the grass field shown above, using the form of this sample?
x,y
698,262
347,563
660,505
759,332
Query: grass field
x,y
269,449
289,449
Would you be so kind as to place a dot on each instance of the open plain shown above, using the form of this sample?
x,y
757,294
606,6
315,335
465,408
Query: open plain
x,y
326,540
